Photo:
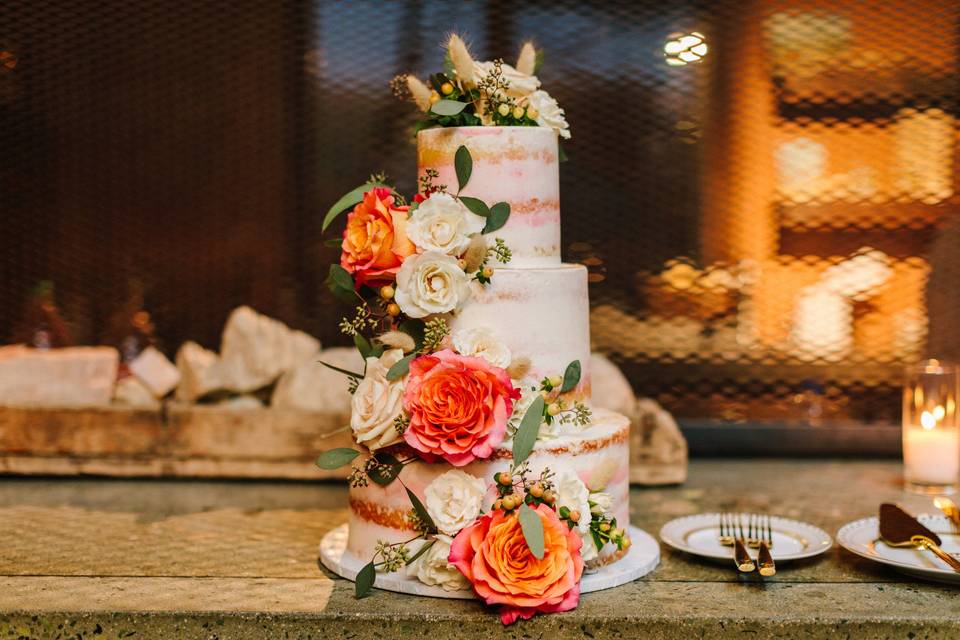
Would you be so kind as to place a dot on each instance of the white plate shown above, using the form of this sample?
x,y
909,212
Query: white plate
x,y
699,535
643,557
862,537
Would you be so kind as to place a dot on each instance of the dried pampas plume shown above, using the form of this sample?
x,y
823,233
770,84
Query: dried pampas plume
x,y
460,56
518,368
419,92
527,61
475,254
397,340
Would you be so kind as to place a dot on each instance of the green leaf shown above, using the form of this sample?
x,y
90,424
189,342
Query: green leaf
x,y
401,367
448,107
363,345
365,580
499,214
391,469
343,371
341,277
421,511
463,163
333,242
561,154
571,376
415,328
597,540
422,550
532,528
526,435
336,458
475,205
345,202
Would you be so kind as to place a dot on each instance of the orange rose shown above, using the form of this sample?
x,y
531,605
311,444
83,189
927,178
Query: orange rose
x,y
493,555
375,241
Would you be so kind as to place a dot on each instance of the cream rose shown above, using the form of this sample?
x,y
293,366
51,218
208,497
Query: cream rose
x,y
549,113
444,225
588,551
377,402
521,84
434,569
574,495
600,503
453,500
482,343
430,283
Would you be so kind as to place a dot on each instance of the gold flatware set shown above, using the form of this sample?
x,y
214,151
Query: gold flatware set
x,y
757,534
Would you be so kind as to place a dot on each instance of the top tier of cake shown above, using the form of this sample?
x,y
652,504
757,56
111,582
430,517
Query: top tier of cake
x,y
518,165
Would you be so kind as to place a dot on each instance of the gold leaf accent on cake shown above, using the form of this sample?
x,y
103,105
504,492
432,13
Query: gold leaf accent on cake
x,y
381,515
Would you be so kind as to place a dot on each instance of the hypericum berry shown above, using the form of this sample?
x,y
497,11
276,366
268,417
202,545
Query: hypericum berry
x,y
549,496
498,504
532,113
605,526
504,478
555,381
626,543
511,501
574,516
618,533
503,109
386,292
518,112
434,97
487,272
393,309
446,88
553,408
536,490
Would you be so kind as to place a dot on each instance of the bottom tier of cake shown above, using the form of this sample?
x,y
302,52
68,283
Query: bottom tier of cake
x,y
598,454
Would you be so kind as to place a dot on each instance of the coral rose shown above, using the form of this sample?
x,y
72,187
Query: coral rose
x,y
458,407
375,240
493,555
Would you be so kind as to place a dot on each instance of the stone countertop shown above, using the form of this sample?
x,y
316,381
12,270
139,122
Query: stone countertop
x,y
185,559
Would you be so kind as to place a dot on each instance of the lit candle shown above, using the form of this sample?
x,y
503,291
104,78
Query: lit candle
x,y
931,437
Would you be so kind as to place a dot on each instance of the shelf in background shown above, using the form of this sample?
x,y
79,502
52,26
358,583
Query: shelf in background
x,y
844,216
788,439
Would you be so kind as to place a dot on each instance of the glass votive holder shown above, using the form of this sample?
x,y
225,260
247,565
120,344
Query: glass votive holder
x,y
931,434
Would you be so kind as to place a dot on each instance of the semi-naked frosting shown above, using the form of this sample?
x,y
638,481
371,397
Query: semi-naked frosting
x,y
517,165
541,314
598,453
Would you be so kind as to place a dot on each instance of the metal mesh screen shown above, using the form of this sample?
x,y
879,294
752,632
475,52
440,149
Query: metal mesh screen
x,y
763,191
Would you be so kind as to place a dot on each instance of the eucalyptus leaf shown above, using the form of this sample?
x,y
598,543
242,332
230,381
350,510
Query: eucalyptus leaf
x,y
388,470
363,345
401,367
526,435
336,458
532,528
475,205
333,242
571,376
421,511
463,163
345,202
448,107
365,579
341,277
499,214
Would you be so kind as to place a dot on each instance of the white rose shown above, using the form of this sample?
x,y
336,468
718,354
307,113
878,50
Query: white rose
x,y
602,502
429,283
453,500
549,113
443,224
521,84
574,495
377,402
588,550
434,569
482,343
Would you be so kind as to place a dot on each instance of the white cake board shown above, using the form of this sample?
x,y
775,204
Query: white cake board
x,y
642,558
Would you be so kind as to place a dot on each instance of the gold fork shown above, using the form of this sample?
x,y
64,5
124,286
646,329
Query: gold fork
x,y
731,533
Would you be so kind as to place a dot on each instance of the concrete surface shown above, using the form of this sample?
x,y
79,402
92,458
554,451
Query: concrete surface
x,y
181,559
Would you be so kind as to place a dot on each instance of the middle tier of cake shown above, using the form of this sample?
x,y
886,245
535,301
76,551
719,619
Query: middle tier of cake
x,y
541,314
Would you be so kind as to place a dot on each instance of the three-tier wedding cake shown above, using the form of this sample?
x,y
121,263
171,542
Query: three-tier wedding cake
x,y
481,464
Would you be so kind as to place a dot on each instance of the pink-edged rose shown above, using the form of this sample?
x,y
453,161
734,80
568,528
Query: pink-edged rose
x,y
375,241
458,407
493,555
